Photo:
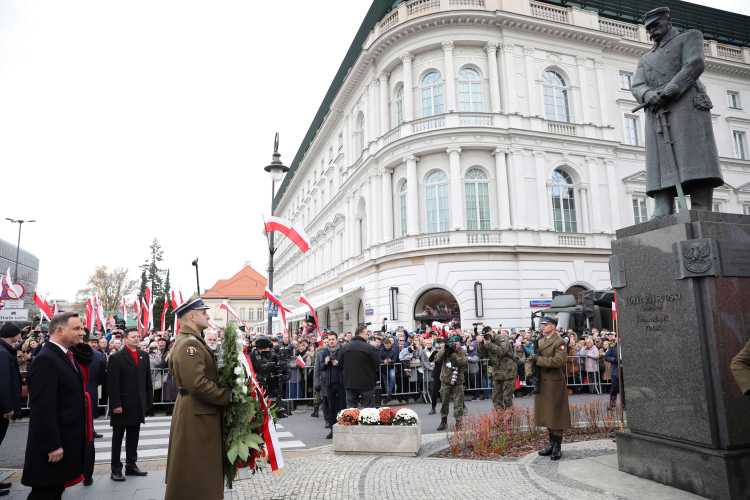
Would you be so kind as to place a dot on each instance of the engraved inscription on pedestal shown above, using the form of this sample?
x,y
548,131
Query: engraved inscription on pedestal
x,y
734,257
695,258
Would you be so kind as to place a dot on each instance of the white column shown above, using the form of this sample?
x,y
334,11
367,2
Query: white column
x,y
352,234
517,189
370,212
528,53
584,209
491,49
384,114
408,86
377,200
412,195
509,72
549,204
602,94
595,199
387,206
584,89
612,184
370,132
347,141
503,195
541,190
456,196
449,78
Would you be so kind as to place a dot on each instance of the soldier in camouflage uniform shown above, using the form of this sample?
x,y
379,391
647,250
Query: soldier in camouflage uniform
x,y
316,386
504,368
452,356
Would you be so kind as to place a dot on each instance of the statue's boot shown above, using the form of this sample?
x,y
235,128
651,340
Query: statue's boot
x,y
701,198
663,204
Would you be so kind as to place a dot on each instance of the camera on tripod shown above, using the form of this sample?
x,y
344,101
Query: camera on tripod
x,y
275,373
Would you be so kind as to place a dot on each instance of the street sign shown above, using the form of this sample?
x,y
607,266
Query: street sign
x,y
273,309
13,304
369,312
540,303
4,293
14,315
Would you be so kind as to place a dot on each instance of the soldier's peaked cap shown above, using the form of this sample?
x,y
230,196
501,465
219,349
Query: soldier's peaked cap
x,y
194,302
550,319
654,14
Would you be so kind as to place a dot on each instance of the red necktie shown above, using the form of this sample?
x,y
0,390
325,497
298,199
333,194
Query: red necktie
x,y
70,357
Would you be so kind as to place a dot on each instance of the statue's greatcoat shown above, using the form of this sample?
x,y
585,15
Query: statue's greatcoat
x,y
678,58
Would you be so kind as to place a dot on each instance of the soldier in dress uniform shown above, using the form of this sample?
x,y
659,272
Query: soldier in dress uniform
x,y
504,368
195,458
551,404
667,79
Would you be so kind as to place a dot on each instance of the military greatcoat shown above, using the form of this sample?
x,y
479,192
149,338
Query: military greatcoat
x,y
678,58
551,408
194,458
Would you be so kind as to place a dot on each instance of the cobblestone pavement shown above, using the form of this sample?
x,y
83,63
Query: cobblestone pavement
x,y
328,476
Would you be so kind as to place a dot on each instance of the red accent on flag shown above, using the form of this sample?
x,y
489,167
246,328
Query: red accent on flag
x,y
231,311
45,308
164,312
124,311
614,308
174,301
294,232
300,361
304,300
13,292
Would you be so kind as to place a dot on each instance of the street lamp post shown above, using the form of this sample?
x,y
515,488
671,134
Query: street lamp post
x,y
197,280
277,171
18,248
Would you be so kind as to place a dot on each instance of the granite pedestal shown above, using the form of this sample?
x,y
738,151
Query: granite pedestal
x,y
684,313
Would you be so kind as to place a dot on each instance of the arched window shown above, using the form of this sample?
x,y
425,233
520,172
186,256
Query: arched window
x,y
564,203
470,90
438,207
555,97
362,133
400,105
432,94
402,205
477,192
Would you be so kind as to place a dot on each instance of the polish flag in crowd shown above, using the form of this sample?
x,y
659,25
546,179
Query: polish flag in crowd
x,y
164,312
231,311
13,292
54,309
124,311
300,361
43,306
294,232
100,314
304,300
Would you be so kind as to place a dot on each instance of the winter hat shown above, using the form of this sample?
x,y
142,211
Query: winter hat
x,y
9,330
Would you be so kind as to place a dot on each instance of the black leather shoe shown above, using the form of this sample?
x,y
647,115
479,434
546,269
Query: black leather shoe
x,y
98,436
88,482
330,435
134,471
4,492
556,448
117,476
432,411
443,424
5,486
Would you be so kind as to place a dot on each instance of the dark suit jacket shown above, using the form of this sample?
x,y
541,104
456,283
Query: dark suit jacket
x,y
129,387
360,363
57,420
97,377
10,381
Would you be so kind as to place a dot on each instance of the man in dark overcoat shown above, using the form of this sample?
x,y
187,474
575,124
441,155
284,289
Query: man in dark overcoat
x,y
667,79
131,394
57,424
551,408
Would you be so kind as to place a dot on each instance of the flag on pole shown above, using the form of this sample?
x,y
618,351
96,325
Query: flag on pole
x,y
100,315
304,300
174,301
164,312
54,309
294,232
90,313
42,304
124,311
144,310
231,311
13,292
300,361
614,308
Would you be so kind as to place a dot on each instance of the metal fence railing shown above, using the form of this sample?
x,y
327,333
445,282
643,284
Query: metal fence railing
x,y
403,380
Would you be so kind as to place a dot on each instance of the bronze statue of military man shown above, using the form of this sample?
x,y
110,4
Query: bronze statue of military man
x,y
666,83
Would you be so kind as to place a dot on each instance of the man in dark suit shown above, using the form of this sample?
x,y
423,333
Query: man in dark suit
x,y
97,377
57,424
10,381
130,396
361,365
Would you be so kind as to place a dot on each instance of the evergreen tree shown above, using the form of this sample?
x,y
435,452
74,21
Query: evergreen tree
x,y
153,273
144,284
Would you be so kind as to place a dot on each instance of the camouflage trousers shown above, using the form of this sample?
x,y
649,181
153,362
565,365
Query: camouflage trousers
x,y
457,391
502,393
318,399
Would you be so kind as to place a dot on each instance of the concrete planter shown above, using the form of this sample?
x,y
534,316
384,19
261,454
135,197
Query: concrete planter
x,y
396,440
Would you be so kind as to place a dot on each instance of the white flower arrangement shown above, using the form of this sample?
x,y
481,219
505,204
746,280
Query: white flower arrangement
x,y
405,416
369,416
238,370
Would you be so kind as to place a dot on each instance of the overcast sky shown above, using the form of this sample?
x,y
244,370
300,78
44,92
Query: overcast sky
x,y
121,122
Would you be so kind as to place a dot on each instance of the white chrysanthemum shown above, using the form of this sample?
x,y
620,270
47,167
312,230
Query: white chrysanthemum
x,y
238,370
240,381
244,389
405,416
369,416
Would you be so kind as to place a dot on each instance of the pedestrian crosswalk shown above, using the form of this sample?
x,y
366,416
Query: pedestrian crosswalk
x,y
154,440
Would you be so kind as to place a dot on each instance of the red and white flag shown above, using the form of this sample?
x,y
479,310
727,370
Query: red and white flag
x,y
174,301
614,307
294,232
231,311
44,307
54,309
90,313
300,361
124,311
13,292
283,310
164,312
145,314
100,315
304,300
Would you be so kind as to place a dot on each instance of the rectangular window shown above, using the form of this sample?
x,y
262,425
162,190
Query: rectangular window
x,y
631,130
739,145
400,111
746,209
432,221
564,209
733,100
625,81
556,104
251,314
242,314
640,213
260,313
717,207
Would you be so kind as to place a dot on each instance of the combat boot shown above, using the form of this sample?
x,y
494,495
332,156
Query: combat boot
x,y
315,412
556,450
458,424
443,424
548,450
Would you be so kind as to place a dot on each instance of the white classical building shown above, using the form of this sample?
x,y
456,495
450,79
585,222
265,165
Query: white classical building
x,y
473,156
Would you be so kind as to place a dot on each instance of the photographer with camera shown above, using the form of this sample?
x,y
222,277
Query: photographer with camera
x,y
504,368
454,361
434,371
333,379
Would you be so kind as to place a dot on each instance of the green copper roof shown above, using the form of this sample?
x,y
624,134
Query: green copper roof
x,y
719,25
